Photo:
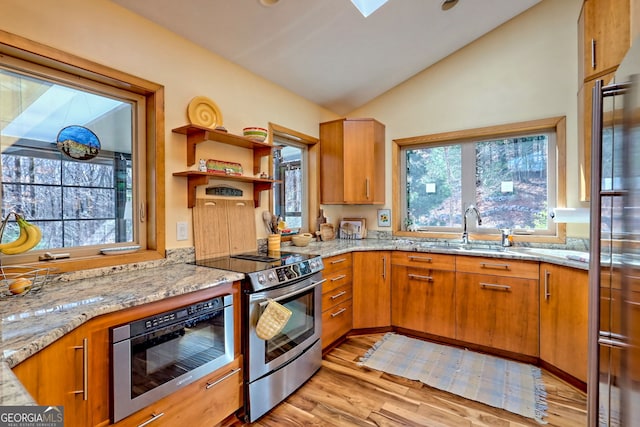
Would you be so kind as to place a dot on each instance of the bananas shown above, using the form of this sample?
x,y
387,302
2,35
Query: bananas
x,y
30,236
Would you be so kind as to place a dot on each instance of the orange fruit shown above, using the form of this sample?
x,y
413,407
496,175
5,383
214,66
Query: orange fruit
x,y
20,285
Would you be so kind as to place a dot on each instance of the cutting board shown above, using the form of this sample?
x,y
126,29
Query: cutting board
x,y
223,227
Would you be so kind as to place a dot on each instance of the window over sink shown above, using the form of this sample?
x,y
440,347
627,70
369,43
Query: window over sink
x,y
510,173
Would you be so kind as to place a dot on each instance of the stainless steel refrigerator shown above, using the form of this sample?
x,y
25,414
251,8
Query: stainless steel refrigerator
x,y
613,388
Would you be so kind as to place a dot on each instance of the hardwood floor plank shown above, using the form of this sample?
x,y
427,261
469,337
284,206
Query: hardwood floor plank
x,y
344,394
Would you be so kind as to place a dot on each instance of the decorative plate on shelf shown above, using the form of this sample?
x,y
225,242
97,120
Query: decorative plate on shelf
x,y
204,112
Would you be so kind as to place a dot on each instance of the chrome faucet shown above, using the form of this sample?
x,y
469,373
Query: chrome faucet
x,y
465,234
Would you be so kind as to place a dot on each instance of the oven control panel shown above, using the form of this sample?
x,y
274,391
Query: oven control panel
x,y
284,274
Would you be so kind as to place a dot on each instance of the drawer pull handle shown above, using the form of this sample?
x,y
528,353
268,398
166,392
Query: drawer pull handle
x,y
338,295
340,277
419,277
338,261
339,312
495,286
420,258
227,376
154,417
491,265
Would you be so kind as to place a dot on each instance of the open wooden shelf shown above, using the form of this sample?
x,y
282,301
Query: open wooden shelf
x,y
198,134
197,178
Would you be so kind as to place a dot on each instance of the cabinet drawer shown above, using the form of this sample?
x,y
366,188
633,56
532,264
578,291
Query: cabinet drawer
x,y
336,280
497,267
498,312
424,260
335,263
336,296
206,402
336,322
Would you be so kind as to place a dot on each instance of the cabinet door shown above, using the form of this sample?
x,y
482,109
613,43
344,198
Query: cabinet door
x,y
423,300
363,161
56,375
498,311
371,289
605,25
564,308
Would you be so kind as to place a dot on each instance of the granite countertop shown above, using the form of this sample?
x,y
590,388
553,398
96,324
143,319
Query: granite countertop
x,y
569,258
35,320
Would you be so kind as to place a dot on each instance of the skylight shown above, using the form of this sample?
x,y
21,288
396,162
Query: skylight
x,y
367,7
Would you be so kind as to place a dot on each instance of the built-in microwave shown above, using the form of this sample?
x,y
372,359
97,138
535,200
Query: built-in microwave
x,y
155,356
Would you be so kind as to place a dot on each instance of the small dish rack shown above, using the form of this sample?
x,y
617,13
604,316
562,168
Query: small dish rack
x,y
9,274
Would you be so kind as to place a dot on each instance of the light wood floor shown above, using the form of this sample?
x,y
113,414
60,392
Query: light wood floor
x,y
345,394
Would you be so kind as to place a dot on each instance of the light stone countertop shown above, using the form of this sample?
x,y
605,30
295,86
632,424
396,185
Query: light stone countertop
x,y
31,322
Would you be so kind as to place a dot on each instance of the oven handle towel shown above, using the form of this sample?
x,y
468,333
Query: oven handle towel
x,y
273,320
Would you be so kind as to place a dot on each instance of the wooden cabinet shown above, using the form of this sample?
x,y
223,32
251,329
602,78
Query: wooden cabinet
x,y
204,403
423,293
337,298
352,162
371,289
74,371
198,134
497,303
58,375
564,301
604,37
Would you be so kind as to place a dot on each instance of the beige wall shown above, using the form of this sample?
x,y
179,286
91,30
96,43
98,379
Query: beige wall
x,y
524,70
108,34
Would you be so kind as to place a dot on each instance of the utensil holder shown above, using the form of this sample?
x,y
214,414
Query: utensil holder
x,y
273,243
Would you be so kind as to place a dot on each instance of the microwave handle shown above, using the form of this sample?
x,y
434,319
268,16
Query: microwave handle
x,y
299,291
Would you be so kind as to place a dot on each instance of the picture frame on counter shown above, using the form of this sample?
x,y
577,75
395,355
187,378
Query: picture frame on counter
x,y
384,217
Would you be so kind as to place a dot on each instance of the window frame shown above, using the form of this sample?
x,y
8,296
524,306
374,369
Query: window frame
x,y
152,221
311,178
555,125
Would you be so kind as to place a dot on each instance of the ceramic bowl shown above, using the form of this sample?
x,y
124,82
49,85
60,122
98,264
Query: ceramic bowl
x,y
301,239
255,133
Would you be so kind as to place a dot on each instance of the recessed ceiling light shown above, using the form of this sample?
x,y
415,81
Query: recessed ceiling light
x,y
448,4
268,2
367,7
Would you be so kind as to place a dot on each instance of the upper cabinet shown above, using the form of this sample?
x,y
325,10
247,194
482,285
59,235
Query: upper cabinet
x,y
352,162
198,134
604,34
605,29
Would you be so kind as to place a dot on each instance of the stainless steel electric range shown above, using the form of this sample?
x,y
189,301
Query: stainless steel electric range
x,y
275,368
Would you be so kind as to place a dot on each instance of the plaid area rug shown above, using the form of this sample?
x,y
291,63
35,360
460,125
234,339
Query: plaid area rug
x,y
515,387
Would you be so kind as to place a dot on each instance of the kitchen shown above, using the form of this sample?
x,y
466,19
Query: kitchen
x,y
534,91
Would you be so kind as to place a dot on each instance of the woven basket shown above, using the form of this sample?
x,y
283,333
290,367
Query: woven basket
x,y
273,320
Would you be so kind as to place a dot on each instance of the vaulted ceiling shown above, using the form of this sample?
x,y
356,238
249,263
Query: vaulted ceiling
x,y
325,50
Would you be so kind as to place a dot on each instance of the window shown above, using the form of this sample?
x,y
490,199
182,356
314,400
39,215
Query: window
x,y
290,166
510,177
74,161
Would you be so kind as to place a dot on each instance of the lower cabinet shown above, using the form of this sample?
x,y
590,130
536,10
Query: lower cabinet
x,y
371,289
337,298
204,403
57,375
74,371
564,308
498,310
423,293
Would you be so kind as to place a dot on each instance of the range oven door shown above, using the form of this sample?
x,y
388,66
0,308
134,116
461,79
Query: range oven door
x,y
304,299
150,364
